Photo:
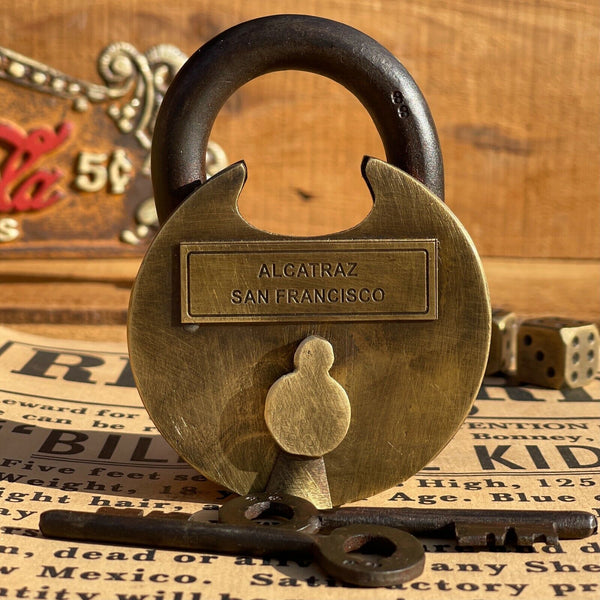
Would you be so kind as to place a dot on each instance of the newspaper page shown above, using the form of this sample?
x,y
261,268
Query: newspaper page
x,y
75,435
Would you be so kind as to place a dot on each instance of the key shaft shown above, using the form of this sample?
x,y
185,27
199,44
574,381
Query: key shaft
x,y
174,533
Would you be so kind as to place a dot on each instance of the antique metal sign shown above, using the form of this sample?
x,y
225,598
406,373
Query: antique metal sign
x,y
74,154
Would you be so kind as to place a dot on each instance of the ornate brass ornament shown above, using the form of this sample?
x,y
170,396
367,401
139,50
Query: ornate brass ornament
x,y
220,309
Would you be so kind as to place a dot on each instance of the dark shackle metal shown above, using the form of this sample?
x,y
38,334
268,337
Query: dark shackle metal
x,y
278,43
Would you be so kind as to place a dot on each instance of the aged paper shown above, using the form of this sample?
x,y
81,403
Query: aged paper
x,y
75,435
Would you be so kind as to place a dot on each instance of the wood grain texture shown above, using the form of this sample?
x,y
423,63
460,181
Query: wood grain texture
x,y
513,86
541,287
40,293
96,333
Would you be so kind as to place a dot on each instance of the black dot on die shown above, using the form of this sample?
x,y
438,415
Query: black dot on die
x,y
527,340
539,355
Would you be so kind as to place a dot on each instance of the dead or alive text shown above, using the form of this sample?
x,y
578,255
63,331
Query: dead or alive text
x,y
308,296
308,269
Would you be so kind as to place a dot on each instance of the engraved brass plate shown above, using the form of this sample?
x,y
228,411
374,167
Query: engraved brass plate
x,y
304,280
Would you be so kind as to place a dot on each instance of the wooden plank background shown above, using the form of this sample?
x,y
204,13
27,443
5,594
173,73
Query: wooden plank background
x,y
513,85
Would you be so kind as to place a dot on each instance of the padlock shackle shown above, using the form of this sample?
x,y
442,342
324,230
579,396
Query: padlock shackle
x,y
283,42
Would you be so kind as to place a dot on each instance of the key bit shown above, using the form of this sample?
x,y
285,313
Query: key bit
x,y
477,534
475,527
480,527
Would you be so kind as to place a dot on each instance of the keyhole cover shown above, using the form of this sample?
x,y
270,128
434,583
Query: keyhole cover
x,y
307,411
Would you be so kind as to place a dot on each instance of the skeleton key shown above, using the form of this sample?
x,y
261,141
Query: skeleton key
x,y
364,555
365,546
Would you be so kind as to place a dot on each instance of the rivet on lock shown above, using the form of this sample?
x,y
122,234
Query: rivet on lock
x,y
329,367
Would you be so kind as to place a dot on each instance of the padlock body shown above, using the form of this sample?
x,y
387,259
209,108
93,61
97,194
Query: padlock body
x,y
219,308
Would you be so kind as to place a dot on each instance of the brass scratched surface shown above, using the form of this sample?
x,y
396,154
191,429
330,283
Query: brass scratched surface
x,y
410,383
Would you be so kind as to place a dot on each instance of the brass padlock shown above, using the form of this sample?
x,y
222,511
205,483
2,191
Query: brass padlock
x,y
369,344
